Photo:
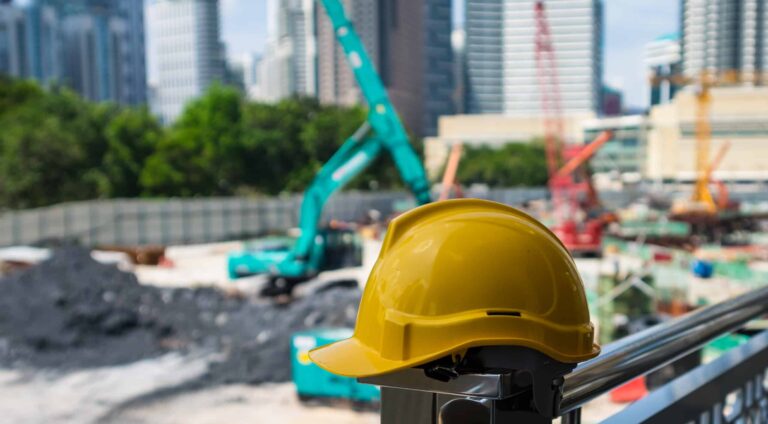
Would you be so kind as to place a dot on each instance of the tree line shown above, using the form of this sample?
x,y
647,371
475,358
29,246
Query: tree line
x,y
57,147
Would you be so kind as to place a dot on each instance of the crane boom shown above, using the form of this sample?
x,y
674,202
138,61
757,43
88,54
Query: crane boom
x,y
584,154
715,163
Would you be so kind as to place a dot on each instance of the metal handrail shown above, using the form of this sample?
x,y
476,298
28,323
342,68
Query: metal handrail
x,y
657,346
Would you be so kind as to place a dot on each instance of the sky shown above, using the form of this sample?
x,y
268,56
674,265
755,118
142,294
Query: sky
x,y
629,24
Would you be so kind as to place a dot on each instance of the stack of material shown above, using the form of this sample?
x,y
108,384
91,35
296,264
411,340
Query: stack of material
x,y
71,312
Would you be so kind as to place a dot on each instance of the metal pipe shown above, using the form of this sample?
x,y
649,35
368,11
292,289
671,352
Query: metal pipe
x,y
657,346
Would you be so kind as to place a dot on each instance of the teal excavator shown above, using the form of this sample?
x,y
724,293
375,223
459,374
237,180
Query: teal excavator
x,y
290,264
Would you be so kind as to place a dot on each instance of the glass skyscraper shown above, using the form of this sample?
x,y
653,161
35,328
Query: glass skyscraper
x,y
727,38
188,50
500,53
409,41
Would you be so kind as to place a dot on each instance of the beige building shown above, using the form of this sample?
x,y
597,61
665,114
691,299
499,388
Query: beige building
x,y
657,147
738,114
490,130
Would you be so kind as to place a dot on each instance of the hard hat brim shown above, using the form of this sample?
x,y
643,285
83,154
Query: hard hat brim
x,y
351,358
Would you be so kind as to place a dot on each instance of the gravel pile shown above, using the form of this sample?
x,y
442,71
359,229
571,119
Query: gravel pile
x,y
73,312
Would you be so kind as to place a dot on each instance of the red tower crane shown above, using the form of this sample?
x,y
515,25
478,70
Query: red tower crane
x,y
573,225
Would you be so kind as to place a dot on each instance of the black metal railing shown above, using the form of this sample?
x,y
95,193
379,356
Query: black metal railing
x,y
730,389
657,346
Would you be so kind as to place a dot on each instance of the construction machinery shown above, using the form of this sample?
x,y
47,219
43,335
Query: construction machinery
x,y
701,202
449,176
577,221
292,264
722,201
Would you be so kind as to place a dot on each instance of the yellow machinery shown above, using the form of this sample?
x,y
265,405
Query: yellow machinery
x,y
701,194
701,200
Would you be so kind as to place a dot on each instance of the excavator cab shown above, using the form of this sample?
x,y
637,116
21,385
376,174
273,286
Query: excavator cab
x,y
334,248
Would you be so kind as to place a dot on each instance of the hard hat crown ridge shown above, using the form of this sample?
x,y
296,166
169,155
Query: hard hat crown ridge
x,y
459,274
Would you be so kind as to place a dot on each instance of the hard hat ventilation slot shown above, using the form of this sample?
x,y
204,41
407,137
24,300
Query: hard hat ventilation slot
x,y
503,313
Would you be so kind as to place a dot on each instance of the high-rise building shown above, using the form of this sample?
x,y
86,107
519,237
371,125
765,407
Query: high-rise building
x,y
136,79
662,58
725,37
246,69
335,82
13,51
289,64
410,45
94,52
500,51
612,102
188,51
97,47
29,42
458,43
417,61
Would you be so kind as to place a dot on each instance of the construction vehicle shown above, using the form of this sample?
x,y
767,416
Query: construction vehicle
x,y
577,221
291,264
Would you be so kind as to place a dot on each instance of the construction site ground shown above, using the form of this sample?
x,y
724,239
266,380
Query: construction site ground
x,y
202,349
153,392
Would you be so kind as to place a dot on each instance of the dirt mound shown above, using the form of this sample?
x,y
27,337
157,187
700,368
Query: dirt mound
x,y
71,312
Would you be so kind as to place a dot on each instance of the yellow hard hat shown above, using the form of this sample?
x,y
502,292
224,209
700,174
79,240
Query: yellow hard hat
x,y
459,274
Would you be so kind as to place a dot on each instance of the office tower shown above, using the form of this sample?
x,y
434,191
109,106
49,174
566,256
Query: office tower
x,y
188,51
458,43
288,67
246,69
663,60
135,91
501,63
410,45
29,42
726,37
13,51
94,52
94,46
335,82
417,61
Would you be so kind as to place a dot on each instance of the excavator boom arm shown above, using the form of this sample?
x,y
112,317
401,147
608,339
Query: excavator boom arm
x,y
362,148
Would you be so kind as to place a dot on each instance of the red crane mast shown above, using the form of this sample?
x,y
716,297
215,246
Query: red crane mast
x,y
551,107
579,234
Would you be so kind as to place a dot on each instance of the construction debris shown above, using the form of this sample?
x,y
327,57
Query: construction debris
x,y
73,312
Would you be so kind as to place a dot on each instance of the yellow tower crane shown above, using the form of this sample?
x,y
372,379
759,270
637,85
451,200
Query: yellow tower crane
x,y
701,200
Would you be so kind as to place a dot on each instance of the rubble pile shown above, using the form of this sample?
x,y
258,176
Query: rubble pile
x,y
73,312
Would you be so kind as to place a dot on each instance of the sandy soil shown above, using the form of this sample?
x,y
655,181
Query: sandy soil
x,y
87,396
147,392
143,393
265,404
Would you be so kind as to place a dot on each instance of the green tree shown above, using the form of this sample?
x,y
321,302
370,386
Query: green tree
x,y
202,153
276,157
132,136
514,164
42,161
57,147
14,93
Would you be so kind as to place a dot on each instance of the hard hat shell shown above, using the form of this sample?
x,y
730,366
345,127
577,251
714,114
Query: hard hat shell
x,y
459,274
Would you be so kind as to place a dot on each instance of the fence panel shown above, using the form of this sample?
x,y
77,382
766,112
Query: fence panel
x,y
180,221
